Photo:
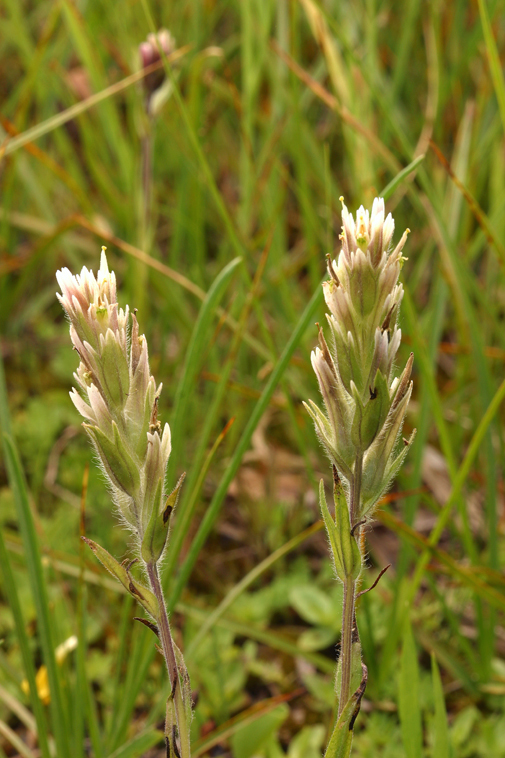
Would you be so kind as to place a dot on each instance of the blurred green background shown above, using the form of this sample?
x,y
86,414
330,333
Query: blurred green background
x,y
271,110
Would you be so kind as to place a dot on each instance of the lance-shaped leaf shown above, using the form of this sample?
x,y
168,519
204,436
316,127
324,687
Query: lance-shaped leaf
x,y
178,710
401,386
144,596
330,530
139,425
346,554
372,496
381,454
324,433
336,399
171,747
116,459
340,742
153,474
184,681
155,537
375,411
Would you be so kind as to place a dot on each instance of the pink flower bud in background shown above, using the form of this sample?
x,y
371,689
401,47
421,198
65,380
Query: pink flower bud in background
x,y
151,51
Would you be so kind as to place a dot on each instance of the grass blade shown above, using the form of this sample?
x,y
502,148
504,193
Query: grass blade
x,y
39,591
9,586
494,59
37,131
246,582
194,354
15,741
141,654
242,721
398,179
441,746
215,505
136,746
408,697
35,572
466,575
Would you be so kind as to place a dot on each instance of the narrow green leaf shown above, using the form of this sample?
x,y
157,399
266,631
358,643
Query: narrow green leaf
x,y
340,742
494,59
341,739
9,586
194,353
39,592
346,543
15,741
467,575
80,685
258,411
441,744
142,594
235,592
155,535
123,651
375,411
248,740
408,697
398,179
243,721
330,530
140,658
275,640
307,743
137,745
85,705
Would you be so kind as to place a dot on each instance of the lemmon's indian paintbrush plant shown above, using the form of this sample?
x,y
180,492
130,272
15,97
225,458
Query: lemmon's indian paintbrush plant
x,y
365,406
119,400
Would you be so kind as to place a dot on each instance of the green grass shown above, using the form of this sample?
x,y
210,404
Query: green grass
x,y
278,108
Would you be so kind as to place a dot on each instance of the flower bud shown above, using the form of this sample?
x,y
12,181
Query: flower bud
x,y
157,46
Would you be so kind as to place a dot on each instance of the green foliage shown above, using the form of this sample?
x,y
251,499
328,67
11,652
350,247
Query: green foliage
x,y
408,697
320,610
441,745
252,738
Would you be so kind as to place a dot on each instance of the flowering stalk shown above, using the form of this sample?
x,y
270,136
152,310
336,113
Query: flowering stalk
x,y
157,88
119,400
364,412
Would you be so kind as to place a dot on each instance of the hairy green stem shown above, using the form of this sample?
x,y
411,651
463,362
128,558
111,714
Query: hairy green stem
x,y
348,610
168,648
346,643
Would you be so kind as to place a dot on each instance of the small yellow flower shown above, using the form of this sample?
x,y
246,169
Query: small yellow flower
x,y
41,677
